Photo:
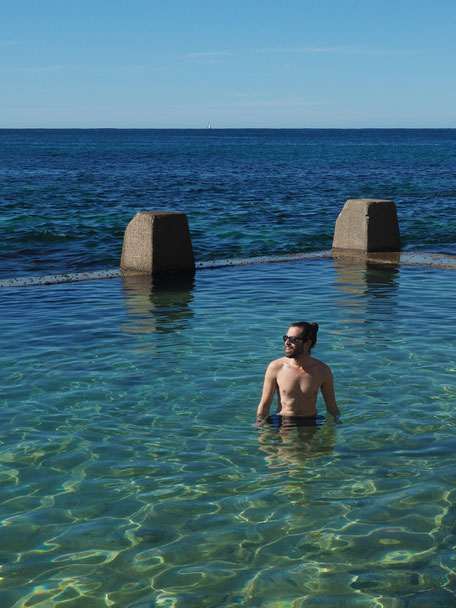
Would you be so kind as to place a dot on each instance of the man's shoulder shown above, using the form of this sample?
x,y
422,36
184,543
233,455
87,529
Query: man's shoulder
x,y
276,364
321,365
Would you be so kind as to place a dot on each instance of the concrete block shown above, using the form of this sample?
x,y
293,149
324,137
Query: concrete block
x,y
367,224
157,241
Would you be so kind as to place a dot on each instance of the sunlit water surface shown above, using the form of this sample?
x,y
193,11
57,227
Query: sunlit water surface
x,y
133,475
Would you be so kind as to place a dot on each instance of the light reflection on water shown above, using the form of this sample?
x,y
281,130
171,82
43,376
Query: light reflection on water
x,y
132,473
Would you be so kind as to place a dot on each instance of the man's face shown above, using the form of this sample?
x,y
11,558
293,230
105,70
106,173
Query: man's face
x,y
294,350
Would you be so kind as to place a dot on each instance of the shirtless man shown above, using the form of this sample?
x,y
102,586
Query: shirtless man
x,y
297,377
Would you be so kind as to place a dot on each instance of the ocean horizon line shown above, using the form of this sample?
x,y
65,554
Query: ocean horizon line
x,y
227,129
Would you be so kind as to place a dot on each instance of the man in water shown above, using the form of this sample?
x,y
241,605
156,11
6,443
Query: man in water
x,y
298,377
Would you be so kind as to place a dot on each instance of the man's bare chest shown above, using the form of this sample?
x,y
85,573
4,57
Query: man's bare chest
x,y
294,379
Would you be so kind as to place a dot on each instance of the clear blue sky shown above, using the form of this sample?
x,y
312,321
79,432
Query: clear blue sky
x,y
235,63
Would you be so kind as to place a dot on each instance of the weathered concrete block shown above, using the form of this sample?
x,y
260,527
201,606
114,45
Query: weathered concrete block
x,y
157,241
367,224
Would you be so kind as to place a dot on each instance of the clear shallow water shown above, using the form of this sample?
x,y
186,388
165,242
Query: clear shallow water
x,y
132,474
66,196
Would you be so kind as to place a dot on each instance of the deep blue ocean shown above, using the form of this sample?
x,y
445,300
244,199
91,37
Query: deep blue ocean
x,y
66,196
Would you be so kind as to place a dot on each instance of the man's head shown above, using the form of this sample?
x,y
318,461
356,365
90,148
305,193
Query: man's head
x,y
301,338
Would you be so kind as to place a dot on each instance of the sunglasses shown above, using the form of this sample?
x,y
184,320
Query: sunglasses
x,y
291,339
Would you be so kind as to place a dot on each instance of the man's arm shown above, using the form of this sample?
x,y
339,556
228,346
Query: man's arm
x,y
269,388
327,390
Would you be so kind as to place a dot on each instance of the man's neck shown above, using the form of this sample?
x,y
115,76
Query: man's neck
x,y
300,361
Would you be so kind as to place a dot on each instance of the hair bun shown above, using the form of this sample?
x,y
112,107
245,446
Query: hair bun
x,y
313,328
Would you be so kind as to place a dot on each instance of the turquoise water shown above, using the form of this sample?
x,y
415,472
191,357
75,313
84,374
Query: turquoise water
x,y
132,474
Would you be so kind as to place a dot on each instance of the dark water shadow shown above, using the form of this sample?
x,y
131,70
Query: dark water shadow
x,y
361,276
368,293
295,445
159,303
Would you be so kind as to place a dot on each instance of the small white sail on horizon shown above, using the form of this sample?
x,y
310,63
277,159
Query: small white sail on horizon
x,y
209,126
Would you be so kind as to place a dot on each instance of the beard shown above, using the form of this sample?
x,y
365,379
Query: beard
x,y
295,351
